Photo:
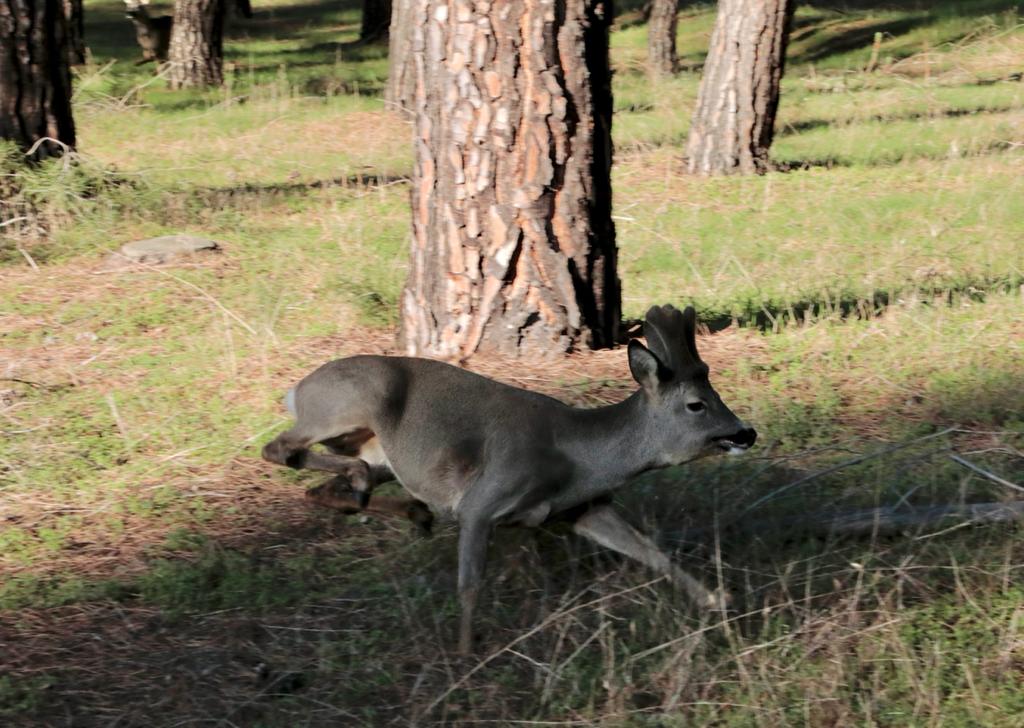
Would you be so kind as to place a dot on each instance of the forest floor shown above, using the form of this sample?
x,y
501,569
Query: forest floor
x,y
865,313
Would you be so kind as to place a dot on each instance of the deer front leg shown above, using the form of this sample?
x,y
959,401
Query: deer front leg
x,y
606,527
473,536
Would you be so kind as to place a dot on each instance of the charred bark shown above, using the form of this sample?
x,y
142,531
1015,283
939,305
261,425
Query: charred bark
x,y
661,37
739,93
513,245
376,19
35,78
401,74
75,16
196,54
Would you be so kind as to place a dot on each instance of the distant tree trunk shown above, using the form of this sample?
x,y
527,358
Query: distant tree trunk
x,y
35,79
661,37
513,245
242,8
376,19
401,74
196,55
739,94
76,31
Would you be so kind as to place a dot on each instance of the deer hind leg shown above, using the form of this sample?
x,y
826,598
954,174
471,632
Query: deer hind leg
x,y
337,493
291,448
363,444
607,528
360,465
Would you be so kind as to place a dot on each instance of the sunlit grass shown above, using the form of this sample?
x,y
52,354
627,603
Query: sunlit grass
x,y
878,287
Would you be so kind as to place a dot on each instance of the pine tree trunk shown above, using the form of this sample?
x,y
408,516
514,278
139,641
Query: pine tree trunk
x,y
739,94
376,19
661,37
513,245
196,55
75,16
401,74
35,79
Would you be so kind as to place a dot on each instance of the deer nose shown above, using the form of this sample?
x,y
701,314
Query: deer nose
x,y
745,437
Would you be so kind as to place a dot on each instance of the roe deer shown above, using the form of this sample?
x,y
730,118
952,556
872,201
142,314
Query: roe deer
x,y
153,34
492,454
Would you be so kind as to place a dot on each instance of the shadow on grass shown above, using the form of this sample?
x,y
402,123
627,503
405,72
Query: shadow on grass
x,y
798,127
218,197
988,148
842,36
940,7
767,316
323,620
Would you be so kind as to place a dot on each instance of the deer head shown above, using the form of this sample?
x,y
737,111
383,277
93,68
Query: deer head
x,y
686,417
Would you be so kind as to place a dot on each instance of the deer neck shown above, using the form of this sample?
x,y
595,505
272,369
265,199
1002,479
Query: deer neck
x,y
614,441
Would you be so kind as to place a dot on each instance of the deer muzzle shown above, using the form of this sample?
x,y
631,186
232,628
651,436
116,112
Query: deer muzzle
x,y
738,442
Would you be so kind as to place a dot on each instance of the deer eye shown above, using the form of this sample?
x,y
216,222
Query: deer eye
x,y
695,406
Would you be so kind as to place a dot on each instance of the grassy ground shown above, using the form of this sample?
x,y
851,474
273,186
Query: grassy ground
x,y
155,571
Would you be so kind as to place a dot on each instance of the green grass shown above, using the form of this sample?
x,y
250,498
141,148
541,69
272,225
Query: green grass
x,y
149,558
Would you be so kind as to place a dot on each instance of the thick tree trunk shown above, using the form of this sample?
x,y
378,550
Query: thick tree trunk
x,y
401,73
739,94
196,55
376,19
661,37
35,79
513,243
76,31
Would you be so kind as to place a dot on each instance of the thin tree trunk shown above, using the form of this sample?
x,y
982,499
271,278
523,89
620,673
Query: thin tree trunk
x,y
401,73
661,37
376,19
75,16
739,94
35,79
513,245
196,55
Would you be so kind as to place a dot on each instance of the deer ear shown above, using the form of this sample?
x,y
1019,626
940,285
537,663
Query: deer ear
x,y
645,367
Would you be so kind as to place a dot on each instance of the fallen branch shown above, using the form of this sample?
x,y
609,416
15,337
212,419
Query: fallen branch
x,y
845,464
866,521
981,471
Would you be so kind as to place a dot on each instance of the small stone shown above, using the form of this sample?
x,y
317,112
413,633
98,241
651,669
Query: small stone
x,y
161,249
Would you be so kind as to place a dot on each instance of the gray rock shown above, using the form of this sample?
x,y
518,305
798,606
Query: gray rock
x,y
161,249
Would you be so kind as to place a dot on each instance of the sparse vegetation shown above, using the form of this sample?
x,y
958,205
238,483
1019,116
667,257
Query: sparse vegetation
x,y
155,571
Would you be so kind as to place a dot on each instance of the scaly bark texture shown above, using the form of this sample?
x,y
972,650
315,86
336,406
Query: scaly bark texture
x,y
513,243
401,86
35,78
196,55
75,16
376,19
739,93
661,37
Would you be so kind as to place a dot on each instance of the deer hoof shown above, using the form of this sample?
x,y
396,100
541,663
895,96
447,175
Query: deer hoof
x,y
718,600
333,494
421,517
